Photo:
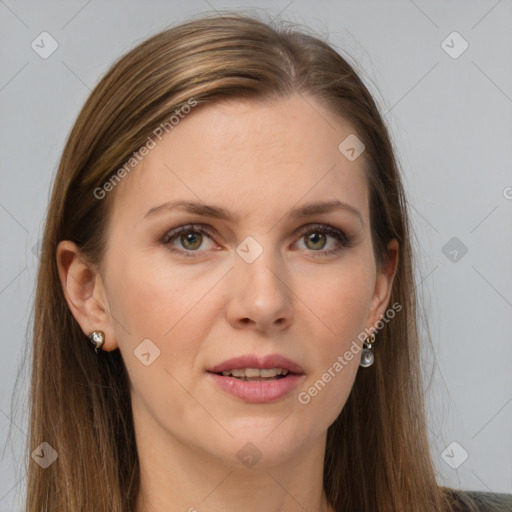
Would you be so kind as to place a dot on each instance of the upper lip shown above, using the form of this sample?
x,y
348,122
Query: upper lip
x,y
255,361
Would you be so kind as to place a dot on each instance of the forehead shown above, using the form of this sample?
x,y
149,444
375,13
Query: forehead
x,y
245,154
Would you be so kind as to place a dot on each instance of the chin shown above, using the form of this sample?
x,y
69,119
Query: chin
x,y
267,444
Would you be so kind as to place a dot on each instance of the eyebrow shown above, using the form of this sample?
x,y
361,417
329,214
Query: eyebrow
x,y
220,213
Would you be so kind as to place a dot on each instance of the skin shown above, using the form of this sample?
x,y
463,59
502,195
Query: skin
x,y
258,160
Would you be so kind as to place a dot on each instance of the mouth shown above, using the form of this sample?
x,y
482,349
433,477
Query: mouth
x,y
257,379
253,366
256,374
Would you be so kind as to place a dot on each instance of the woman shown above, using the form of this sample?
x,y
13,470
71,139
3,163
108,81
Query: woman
x,y
227,321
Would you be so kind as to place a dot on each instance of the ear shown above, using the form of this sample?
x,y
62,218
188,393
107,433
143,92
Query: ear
x,y
383,285
85,293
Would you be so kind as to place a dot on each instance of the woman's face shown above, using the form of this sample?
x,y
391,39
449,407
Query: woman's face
x,y
251,277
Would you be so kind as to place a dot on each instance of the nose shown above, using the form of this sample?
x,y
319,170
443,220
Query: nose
x,y
260,297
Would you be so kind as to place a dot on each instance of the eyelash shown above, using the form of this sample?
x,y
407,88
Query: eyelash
x,y
343,240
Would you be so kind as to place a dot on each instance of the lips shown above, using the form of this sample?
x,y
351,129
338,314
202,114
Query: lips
x,y
259,362
258,389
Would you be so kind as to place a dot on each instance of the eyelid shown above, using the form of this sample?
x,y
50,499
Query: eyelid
x,y
319,226
186,228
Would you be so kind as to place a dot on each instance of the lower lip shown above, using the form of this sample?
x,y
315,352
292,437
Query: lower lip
x,y
258,391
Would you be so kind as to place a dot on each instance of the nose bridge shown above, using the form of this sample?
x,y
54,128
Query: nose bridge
x,y
259,265
262,294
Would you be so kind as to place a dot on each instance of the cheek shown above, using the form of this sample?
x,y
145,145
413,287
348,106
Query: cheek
x,y
153,297
339,297
341,304
175,308
161,303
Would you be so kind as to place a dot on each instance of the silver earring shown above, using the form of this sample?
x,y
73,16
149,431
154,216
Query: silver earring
x,y
367,355
97,339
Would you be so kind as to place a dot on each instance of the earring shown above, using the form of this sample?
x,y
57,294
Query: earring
x,y
367,355
97,339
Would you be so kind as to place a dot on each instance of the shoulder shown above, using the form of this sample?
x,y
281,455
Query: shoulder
x,y
479,501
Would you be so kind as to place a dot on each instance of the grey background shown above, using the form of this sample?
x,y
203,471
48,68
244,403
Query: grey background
x,y
451,123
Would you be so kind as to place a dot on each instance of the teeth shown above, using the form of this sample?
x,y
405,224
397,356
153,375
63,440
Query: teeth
x,y
255,372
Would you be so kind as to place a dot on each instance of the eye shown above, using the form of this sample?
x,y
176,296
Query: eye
x,y
315,238
190,238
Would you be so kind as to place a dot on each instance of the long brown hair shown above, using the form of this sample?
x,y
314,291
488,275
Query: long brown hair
x,y
377,456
